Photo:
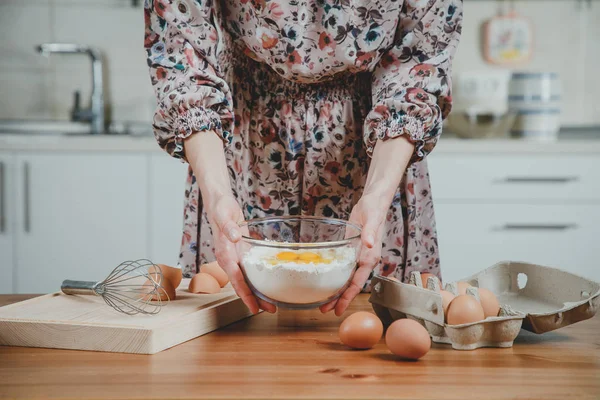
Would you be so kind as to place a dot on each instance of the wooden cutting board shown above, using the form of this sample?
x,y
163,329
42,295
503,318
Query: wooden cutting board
x,y
87,323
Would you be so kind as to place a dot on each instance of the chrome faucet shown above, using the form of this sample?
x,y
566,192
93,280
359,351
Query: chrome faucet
x,y
95,114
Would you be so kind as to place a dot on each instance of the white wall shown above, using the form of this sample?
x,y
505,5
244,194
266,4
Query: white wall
x,y
566,40
566,34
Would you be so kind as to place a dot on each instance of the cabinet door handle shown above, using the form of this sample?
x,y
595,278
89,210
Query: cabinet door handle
x,y
537,227
27,197
2,198
539,179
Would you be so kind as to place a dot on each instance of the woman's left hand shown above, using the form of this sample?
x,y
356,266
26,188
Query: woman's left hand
x,y
370,213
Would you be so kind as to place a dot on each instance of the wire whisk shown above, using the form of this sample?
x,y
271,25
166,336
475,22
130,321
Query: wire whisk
x,y
133,287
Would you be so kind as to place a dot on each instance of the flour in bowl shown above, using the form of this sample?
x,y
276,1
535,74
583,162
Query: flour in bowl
x,y
299,277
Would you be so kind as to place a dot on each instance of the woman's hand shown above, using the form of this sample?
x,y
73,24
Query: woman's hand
x,y
224,215
370,213
204,151
388,165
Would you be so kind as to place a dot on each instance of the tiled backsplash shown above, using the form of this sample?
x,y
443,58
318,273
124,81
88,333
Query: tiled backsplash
x,y
32,86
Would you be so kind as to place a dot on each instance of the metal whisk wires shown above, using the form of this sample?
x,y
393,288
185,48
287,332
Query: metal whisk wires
x,y
133,287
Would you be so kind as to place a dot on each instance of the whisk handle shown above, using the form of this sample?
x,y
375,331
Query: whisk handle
x,y
78,287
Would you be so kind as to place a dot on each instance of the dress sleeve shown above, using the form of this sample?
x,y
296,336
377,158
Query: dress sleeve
x,y
182,40
411,84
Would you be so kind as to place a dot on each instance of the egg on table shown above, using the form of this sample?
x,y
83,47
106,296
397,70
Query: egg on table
x,y
408,339
361,330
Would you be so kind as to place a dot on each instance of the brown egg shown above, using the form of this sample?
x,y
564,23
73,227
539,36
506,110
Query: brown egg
x,y
464,309
171,274
167,293
447,297
462,287
217,272
489,302
425,276
204,283
408,339
361,330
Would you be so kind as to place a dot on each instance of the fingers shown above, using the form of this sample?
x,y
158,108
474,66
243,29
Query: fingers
x,y
242,290
227,259
232,231
325,308
268,307
366,265
373,223
358,281
370,256
368,259
227,225
350,232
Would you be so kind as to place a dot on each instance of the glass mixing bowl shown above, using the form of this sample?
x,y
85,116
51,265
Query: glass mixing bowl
x,y
298,262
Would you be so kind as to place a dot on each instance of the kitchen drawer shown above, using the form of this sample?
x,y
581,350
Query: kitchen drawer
x,y
474,237
537,177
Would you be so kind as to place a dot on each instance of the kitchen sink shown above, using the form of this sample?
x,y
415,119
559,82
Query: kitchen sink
x,y
43,127
66,128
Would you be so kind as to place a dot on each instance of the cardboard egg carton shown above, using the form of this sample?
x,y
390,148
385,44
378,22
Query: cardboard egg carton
x,y
499,331
536,298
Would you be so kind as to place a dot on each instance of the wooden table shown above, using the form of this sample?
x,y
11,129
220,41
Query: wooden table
x,y
256,358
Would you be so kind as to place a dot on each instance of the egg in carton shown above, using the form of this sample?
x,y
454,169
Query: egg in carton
x,y
496,331
392,300
537,298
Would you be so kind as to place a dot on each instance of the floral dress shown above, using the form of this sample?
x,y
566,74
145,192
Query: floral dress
x,y
300,91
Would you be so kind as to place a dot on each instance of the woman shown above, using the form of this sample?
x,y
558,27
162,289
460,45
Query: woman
x,y
318,107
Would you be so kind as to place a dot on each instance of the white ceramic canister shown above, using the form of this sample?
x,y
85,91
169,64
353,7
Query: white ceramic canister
x,y
536,99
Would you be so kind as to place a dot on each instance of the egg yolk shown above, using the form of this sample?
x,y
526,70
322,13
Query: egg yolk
x,y
301,258
287,256
309,256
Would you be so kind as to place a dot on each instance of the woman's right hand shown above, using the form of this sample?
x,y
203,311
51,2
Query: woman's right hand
x,y
205,153
224,215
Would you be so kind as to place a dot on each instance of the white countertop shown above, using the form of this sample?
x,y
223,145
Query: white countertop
x,y
94,143
144,144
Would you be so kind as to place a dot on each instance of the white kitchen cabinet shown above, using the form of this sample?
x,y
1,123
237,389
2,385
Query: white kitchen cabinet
x,y
515,178
473,237
167,187
542,208
79,216
7,211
